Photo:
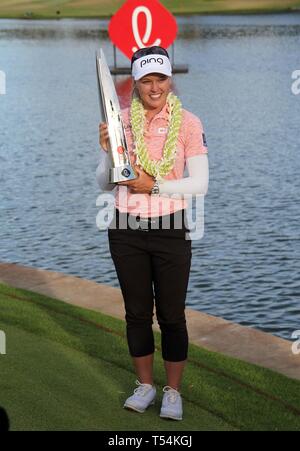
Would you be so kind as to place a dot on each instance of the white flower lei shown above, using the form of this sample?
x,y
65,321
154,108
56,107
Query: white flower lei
x,y
161,168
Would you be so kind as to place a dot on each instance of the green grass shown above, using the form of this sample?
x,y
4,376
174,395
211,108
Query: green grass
x,y
68,368
102,8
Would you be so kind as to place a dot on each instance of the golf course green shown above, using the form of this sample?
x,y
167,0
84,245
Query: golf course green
x,y
67,368
42,9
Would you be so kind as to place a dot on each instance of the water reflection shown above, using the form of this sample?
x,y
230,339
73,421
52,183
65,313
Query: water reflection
x,y
189,28
51,33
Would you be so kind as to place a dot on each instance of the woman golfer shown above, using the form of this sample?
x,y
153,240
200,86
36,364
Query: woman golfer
x,y
151,252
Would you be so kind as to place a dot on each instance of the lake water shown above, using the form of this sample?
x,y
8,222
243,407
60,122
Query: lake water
x,y
246,267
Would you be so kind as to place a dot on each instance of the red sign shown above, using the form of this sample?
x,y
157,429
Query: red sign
x,y
142,23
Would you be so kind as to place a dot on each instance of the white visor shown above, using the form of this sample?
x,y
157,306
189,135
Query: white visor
x,y
151,64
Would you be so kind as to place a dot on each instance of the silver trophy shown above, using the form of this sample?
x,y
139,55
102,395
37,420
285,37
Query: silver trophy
x,y
111,114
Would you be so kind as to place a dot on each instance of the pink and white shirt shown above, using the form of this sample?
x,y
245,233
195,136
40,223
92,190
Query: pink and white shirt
x,y
191,142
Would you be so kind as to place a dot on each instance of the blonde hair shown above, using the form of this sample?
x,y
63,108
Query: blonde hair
x,y
135,92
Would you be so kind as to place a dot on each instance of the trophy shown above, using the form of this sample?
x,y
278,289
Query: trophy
x,y
111,114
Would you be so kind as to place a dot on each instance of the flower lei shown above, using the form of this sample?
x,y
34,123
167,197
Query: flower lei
x,y
160,168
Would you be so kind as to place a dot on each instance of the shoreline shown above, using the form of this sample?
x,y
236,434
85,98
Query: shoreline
x,y
251,12
209,332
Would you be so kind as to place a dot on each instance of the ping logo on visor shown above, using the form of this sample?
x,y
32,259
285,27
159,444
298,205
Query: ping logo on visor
x,y
151,64
152,60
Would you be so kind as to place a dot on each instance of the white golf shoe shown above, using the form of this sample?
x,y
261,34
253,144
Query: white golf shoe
x,y
171,404
143,397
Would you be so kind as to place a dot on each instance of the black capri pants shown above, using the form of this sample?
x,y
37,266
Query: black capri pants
x,y
153,265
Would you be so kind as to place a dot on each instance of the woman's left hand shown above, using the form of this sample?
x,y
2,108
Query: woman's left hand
x,y
142,184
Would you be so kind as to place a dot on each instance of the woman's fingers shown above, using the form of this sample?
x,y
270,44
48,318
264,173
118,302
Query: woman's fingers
x,y
103,129
104,136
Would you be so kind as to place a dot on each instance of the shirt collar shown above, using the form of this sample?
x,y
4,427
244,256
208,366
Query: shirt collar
x,y
163,114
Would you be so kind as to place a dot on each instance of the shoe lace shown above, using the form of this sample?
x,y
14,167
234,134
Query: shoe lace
x,y
142,389
172,394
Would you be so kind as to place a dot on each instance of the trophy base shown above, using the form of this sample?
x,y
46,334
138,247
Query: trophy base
x,y
121,174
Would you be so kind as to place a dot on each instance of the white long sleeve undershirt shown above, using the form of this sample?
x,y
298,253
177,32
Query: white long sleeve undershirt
x,y
195,183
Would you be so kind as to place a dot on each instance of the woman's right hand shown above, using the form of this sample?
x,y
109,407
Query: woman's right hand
x,y
103,136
